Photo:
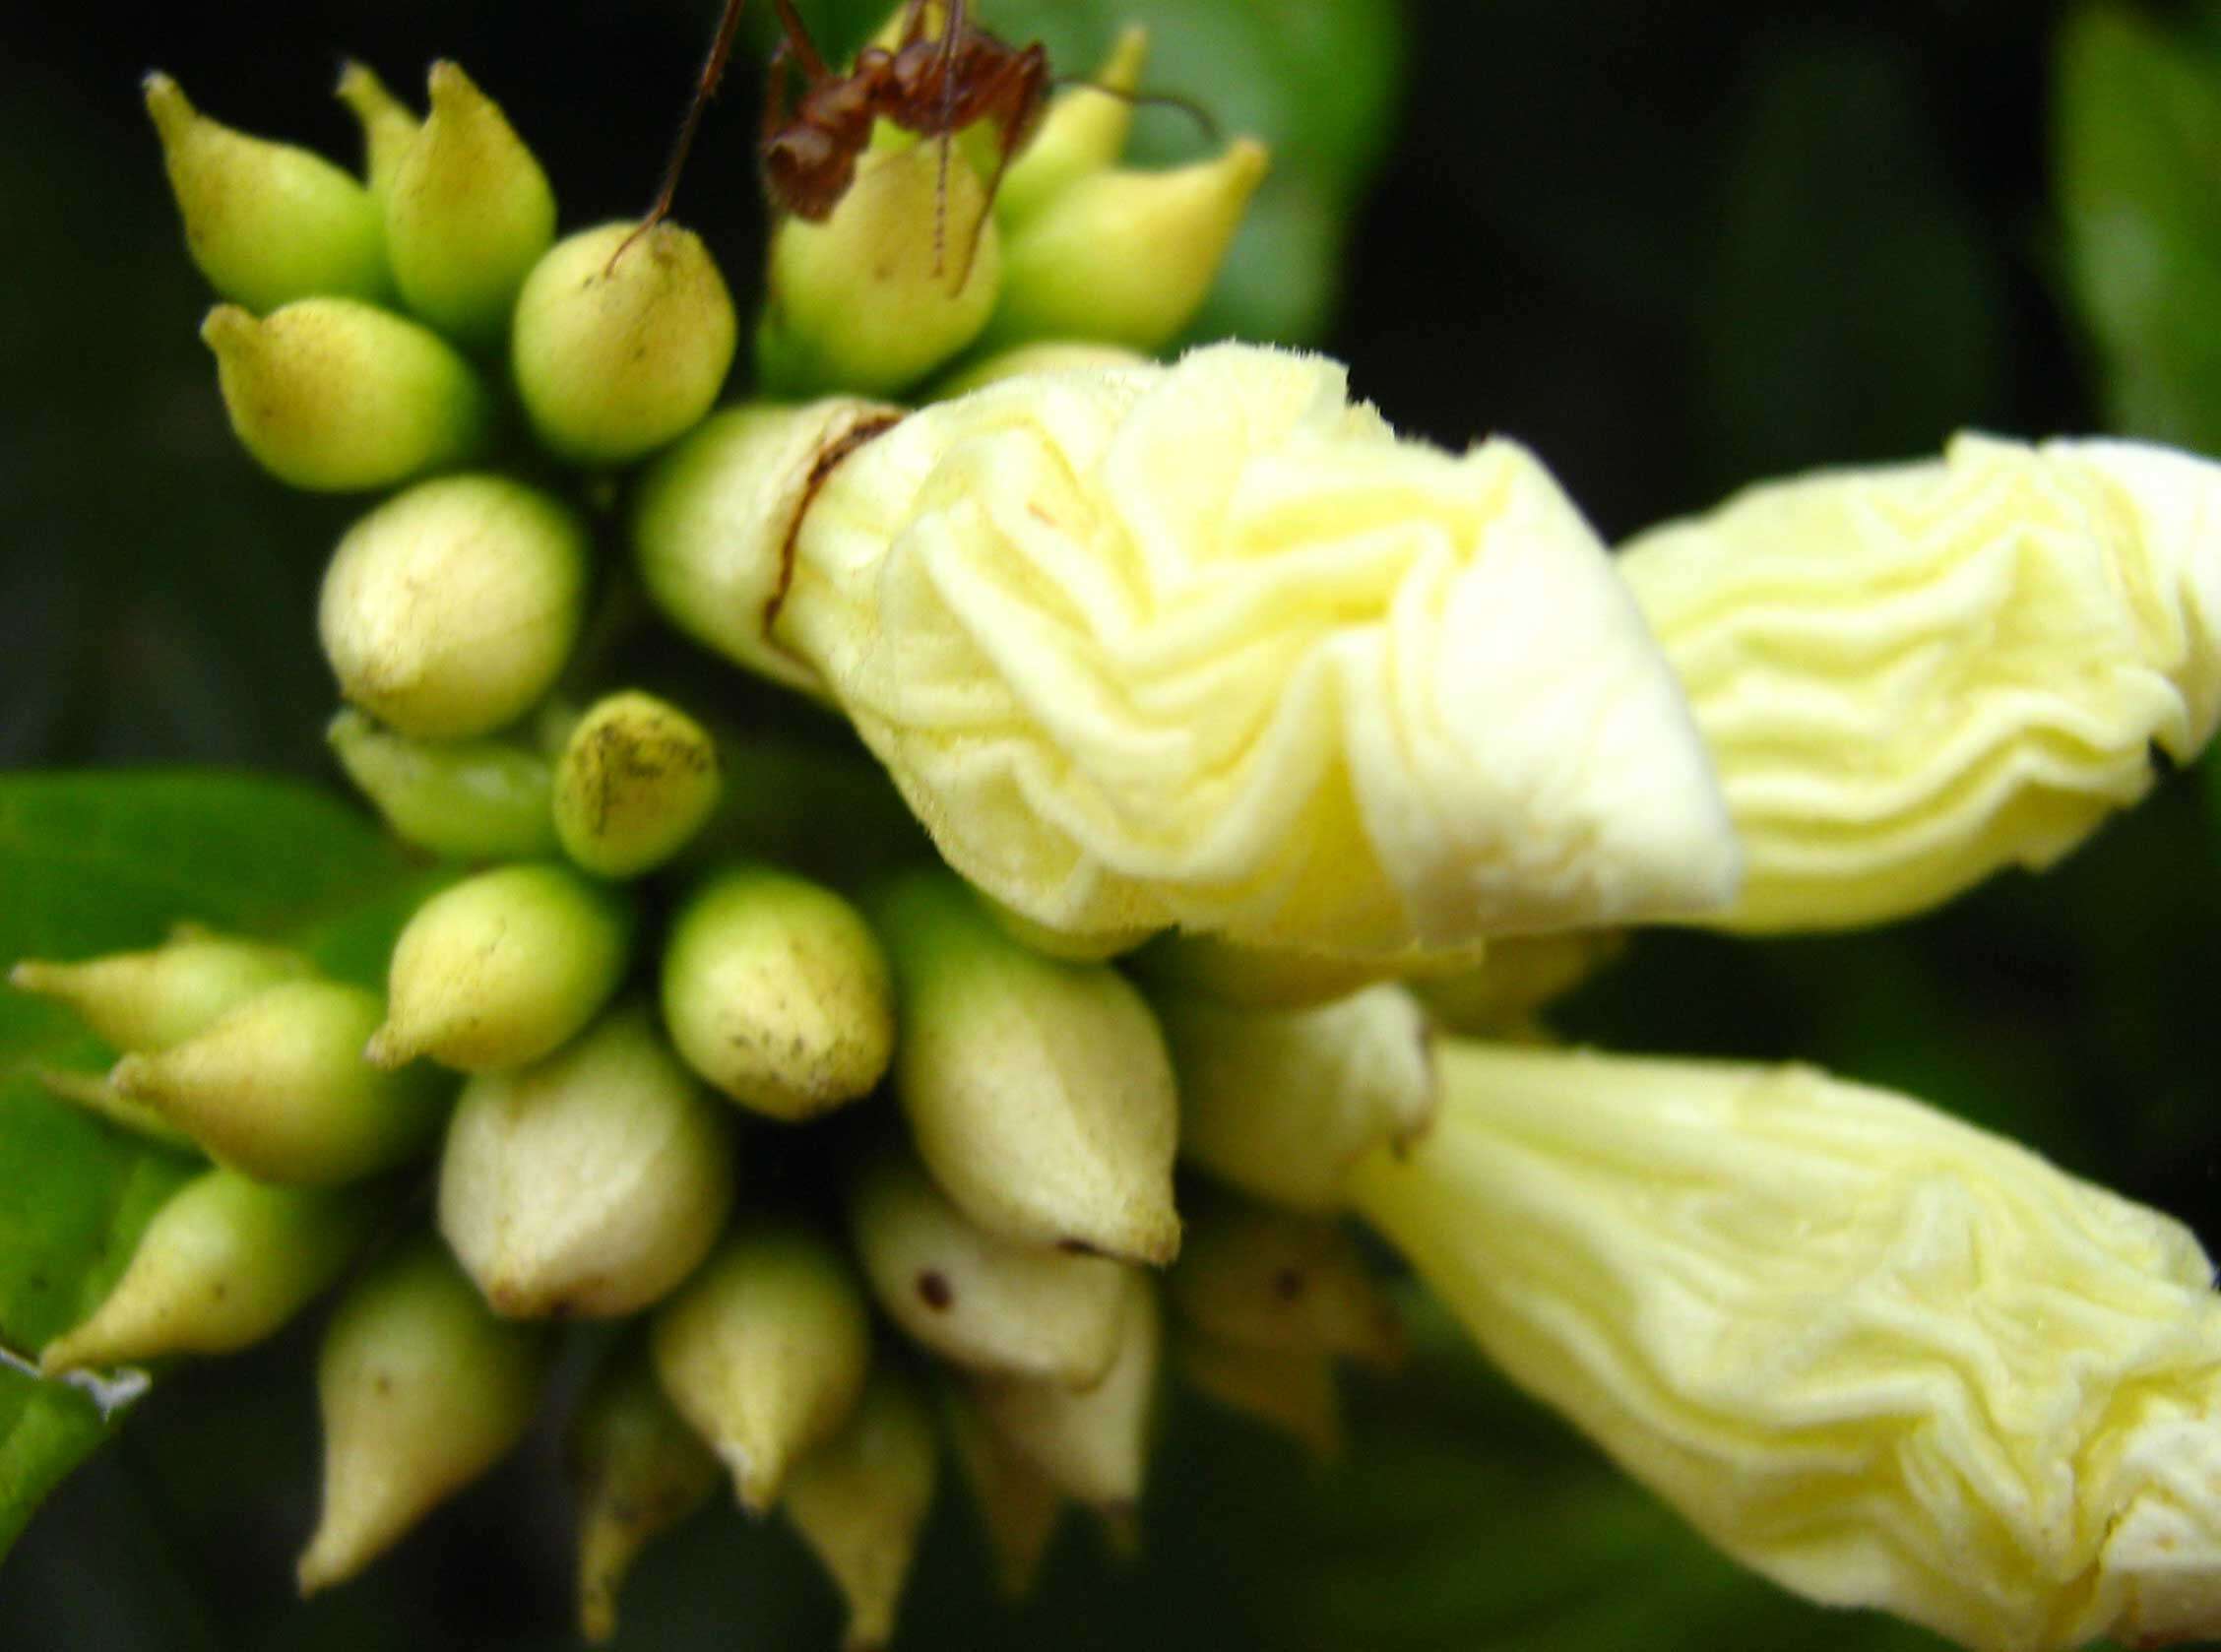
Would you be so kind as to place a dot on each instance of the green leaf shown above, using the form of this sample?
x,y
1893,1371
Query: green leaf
x,y
2139,164
94,863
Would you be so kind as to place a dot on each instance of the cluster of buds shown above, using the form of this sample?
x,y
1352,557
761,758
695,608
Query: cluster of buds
x,y
1271,776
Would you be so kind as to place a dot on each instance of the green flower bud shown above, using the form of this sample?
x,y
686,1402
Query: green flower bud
x,y
1038,1093
899,278
336,396
590,1183
1094,1443
151,1000
1283,1103
1126,256
1179,963
388,129
1254,1277
451,608
972,1298
468,214
503,968
860,1501
1084,131
1019,1507
1293,1390
1516,976
266,223
223,1263
638,778
421,1391
615,357
765,1351
775,991
95,1095
1094,947
637,1470
277,1088
1057,356
477,800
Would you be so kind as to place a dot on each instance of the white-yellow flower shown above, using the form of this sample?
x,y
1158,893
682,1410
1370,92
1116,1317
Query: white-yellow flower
x,y
1911,676
1208,645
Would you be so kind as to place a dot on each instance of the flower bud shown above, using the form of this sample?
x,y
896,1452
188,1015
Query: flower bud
x,y
225,1262
637,1470
336,396
151,1000
896,282
475,800
765,1351
860,1500
450,610
1911,676
775,991
266,223
1019,1506
637,778
590,1183
277,1088
1124,256
468,214
613,358
1052,355
1038,1093
1083,131
1291,1389
1242,977
97,1096
1254,1277
1883,1357
422,1390
388,129
1283,1103
1518,976
976,1300
1094,1443
503,968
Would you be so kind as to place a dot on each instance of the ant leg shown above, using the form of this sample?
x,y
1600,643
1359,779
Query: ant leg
x,y
705,88
798,38
1021,87
954,26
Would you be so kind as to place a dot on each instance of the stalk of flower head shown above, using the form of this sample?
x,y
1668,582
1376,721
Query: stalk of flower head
x,y
482,798
636,781
860,1501
589,1183
765,1353
979,1301
1883,1357
636,1470
422,1390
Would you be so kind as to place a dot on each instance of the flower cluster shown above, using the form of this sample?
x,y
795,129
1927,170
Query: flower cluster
x,y
1274,774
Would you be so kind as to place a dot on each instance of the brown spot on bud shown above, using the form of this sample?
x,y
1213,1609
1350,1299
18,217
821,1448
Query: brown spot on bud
x,y
934,1287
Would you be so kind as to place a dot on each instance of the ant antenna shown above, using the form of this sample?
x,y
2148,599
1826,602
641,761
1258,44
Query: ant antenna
x,y
1203,118
705,88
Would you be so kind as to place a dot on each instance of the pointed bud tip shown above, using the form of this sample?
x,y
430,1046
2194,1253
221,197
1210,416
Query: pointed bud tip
x,y
169,106
229,328
389,1048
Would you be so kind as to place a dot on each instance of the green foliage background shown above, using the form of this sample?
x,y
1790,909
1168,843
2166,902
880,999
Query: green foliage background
x,y
1674,246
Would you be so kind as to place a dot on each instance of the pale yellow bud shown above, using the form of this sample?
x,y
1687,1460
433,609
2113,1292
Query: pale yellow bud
x,y
389,128
1293,1390
1253,977
1254,1277
860,1500
1094,1443
1058,356
477,800
765,1351
1517,977
1083,131
1019,1506
637,778
151,1000
1913,676
1885,1359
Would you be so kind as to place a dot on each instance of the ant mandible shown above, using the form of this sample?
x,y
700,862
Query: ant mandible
x,y
935,86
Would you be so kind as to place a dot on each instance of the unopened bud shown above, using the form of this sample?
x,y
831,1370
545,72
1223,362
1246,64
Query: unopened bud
x,y
97,1096
1094,1443
1293,1390
637,778
616,356
860,1501
637,1470
151,1000
1282,1103
1126,256
900,277
450,610
1051,355
468,214
1255,1277
503,968
590,1183
389,128
1038,1093
337,396
1019,1506
976,1300
1518,976
1083,131
223,1263
475,800
422,1390
266,223
277,1088
775,991
765,1351
1181,962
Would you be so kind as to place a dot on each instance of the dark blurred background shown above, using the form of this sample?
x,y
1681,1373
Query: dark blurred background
x,y
1674,247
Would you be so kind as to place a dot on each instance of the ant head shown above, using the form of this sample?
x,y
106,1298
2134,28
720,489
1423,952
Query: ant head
x,y
806,170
